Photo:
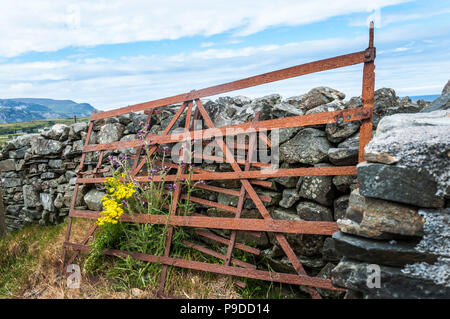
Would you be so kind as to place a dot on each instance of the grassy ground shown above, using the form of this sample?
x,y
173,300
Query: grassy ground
x,y
30,261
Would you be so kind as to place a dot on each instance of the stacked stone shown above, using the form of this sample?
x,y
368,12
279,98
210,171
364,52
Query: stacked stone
x,y
38,174
39,177
399,218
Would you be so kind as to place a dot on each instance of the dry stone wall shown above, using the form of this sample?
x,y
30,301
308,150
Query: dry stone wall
x,y
38,170
399,217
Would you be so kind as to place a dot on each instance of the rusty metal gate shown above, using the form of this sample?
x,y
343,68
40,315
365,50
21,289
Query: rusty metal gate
x,y
192,105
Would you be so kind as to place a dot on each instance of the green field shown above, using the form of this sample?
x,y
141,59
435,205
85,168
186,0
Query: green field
x,y
10,130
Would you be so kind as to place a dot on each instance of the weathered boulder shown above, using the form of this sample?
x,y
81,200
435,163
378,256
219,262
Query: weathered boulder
x,y
387,103
325,272
313,211
59,132
394,283
12,182
130,150
343,156
309,146
345,182
440,103
340,205
318,188
93,199
47,202
446,89
30,196
337,132
373,218
76,128
315,97
7,165
289,198
287,181
110,132
43,146
407,185
389,253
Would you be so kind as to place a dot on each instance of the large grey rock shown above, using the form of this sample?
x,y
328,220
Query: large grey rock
x,y
345,182
446,89
309,146
407,185
343,156
47,202
314,212
390,253
12,182
76,129
440,103
318,188
30,196
130,150
289,198
337,132
58,132
417,141
340,205
287,181
315,97
387,103
110,132
43,146
373,218
394,283
93,199
325,273
7,165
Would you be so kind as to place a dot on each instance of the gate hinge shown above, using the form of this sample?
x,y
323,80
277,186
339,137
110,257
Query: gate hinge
x,y
369,54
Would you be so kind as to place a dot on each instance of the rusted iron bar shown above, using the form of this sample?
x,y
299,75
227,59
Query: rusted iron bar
x,y
240,205
211,204
347,115
312,67
267,173
75,191
212,236
213,253
219,159
367,96
84,242
301,280
245,224
174,205
228,191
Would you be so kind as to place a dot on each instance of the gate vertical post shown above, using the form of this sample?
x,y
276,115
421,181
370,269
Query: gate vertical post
x,y
368,87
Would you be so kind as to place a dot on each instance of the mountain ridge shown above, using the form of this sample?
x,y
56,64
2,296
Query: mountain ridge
x,y
30,109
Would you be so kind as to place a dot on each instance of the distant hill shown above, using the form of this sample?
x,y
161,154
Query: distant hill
x,y
30,109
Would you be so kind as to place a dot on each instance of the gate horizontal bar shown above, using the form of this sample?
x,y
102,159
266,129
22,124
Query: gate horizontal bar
x,y
347,115
301,280
302,69
245,224
266,173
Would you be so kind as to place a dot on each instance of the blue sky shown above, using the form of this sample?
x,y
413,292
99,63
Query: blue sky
x,y
116,53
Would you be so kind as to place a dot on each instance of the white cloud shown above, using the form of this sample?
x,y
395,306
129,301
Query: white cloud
x,y
49,25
